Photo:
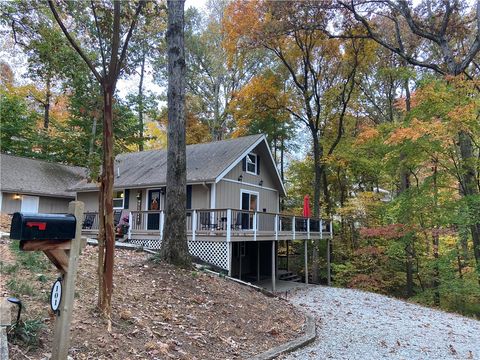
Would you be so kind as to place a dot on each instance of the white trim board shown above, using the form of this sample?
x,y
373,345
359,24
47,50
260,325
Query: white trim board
x,y
249,184
250,192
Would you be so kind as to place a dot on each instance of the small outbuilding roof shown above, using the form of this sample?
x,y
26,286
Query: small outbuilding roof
x,y
205,163
38,177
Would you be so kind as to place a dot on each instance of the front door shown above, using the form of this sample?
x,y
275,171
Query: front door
x,y
29,204
250,203
153,221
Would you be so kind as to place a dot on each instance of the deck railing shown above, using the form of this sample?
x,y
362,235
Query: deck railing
x,y
229,223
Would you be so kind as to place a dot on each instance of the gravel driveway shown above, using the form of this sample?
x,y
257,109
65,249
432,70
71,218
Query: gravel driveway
x,y
353,324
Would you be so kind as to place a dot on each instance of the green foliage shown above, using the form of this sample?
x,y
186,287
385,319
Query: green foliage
x,y
27,332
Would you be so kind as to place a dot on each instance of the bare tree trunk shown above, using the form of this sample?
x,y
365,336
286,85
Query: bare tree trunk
x,y
140,102
46,105
107,187
316,202
174,247
436,270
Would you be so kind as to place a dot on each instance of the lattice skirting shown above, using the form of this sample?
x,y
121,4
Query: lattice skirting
x,y
212,252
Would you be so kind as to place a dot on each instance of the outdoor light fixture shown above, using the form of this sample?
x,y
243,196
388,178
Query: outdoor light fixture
x,y
240,178
260,183
16,197
122,195
19,304
139,195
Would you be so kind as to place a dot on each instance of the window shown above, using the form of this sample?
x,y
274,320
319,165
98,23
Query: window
x,y
252,163
118,198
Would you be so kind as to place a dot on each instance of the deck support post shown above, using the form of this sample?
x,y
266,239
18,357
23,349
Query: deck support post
x,y
130,224
306,260
162,220
329,277
229,258
276,227
194,224
258,261
273,267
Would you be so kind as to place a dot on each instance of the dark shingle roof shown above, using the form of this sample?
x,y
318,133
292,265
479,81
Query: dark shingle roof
x,y
23,175
205,162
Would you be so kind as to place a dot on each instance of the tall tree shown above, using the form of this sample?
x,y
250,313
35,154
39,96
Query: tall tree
x,y
174,247
321,72
441,28
108,33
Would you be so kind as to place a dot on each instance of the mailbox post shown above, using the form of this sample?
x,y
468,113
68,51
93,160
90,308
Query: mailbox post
x,y
59,237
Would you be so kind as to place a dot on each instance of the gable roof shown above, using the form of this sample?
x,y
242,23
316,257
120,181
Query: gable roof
x,y
205,163
38,177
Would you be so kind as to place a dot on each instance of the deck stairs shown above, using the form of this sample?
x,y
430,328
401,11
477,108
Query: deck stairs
x,y
286,275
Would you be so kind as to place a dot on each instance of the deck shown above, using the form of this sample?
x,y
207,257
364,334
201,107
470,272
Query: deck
x,y
216,225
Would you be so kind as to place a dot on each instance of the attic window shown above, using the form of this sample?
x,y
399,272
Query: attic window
x,y
252,163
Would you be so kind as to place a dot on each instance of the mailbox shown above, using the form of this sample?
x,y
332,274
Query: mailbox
x,y
29,226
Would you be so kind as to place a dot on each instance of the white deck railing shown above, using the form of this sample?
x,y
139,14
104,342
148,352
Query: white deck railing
x,y
223,224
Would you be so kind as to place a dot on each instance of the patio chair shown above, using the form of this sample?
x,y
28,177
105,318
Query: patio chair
x,y
88,221
117,215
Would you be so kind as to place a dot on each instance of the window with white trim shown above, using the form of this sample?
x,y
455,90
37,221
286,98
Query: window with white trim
x,y
118,199
252,164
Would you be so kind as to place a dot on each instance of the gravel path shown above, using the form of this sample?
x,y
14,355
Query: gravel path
x,y
353,324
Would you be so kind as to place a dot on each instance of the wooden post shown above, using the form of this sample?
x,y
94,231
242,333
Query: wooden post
x,y
229,224
306,261
162,220
328,263
130,224
62,323
273,267
293,228
255,226
194,224
258,261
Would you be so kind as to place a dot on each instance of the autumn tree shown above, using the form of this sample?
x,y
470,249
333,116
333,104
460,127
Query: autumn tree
x,y
441,28
102,22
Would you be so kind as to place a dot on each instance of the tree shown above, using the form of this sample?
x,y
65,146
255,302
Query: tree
x,y
440,27
107,31
174,247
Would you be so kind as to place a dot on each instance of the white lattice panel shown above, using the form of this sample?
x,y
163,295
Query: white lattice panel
x,y
212,252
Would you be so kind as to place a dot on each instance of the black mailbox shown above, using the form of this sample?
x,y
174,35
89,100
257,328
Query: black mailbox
x,y
29,226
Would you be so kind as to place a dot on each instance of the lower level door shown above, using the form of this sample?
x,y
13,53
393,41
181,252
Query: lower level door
x,y
29,204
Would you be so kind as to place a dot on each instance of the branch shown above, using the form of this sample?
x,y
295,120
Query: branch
x,y
375,37
73,43
102,52
112,68
129,35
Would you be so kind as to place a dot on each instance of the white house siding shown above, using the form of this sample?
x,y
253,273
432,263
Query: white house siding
x,y
267,172
9,204
228,196
200,197
90,199
47,204
51,205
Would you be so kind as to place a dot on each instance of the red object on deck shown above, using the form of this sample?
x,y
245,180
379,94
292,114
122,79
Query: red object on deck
x,y
306,207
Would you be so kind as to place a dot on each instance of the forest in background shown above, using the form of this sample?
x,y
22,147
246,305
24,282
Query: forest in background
x,y
371,109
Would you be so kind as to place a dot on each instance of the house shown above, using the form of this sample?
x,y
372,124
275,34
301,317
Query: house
x,y
30,185
233,203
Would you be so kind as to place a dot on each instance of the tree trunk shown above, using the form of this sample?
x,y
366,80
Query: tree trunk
x,y
140,103
107,187
316,202
46,105
174,247
470,188
436,269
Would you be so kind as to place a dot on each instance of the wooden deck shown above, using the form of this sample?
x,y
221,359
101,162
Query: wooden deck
x,y
219,225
